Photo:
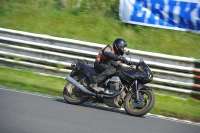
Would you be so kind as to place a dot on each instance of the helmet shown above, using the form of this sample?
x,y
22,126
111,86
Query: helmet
x,y
119,44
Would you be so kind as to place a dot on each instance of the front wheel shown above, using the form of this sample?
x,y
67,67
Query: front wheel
x,y
72,94
141,107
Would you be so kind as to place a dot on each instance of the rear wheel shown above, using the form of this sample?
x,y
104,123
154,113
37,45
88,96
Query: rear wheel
x,y
143,106
72,94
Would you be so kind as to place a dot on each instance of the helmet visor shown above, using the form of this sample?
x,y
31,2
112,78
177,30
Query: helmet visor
x,y
122,48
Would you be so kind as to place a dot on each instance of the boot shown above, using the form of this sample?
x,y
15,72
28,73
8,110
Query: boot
x,y
96,88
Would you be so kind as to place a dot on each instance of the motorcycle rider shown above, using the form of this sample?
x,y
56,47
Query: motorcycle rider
x,y
107,62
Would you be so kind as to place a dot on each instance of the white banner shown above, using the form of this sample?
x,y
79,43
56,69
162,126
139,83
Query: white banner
x,y
181,15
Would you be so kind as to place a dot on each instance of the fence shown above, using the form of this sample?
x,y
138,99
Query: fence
x,y
53,55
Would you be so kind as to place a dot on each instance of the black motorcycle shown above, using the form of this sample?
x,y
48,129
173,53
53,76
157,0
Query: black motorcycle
x,y
124,89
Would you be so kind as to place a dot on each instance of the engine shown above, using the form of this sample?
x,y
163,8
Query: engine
x,y
114,86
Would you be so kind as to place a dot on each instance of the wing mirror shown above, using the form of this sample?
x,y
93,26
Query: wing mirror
x,y
127,52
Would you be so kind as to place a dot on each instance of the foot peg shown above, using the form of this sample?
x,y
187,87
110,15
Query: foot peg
x,y
96,88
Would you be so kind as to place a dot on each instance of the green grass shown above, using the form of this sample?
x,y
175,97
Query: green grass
x,y
95,21
29,81
25,80
175,107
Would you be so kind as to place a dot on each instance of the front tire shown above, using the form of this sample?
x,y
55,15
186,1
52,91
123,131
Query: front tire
x,y
142,107
73,95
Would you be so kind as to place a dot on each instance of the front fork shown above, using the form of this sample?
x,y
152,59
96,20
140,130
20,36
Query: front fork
x,y
135,89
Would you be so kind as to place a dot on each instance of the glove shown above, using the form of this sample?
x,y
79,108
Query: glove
x,y
123,59
130,63
119,67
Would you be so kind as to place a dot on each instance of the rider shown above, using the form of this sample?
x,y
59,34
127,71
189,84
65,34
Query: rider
x,y
106,62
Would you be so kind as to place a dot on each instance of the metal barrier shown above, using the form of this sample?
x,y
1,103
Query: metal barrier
x,y
54,55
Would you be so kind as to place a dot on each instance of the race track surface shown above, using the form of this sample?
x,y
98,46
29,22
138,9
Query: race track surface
x,y
28,113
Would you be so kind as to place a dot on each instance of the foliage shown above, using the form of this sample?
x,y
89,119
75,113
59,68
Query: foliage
x,y
94,21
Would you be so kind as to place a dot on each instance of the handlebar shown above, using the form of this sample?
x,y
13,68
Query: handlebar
x,y
130,63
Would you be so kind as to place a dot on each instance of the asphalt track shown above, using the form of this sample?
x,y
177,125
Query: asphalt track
x,y
30,113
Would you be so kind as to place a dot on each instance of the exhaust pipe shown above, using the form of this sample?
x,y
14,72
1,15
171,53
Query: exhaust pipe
x,y
74,82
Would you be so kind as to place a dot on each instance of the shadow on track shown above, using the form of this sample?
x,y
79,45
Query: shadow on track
x,y
98,106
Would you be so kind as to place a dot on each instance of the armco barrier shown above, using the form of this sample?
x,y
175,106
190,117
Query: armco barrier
x,y
54,55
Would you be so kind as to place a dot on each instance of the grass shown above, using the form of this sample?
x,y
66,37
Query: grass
x,y
183,109
25,80
95,21
29,81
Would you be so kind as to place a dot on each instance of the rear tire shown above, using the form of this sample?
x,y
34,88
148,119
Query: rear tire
x,y
143,107
74,95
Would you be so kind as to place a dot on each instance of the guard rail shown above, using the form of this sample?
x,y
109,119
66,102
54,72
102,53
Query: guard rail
x,y
54,55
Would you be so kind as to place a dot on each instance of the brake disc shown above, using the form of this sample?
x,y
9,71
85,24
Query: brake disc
x,y
75,91
140,102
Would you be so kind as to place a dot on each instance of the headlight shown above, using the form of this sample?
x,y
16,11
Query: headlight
x,y
150,76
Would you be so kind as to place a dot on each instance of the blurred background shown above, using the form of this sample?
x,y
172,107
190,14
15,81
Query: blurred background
x,y
93,21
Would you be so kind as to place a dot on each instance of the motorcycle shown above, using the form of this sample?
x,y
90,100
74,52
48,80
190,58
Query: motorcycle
x,y
125,89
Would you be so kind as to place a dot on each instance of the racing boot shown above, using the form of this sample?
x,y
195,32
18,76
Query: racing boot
x,y
97,89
